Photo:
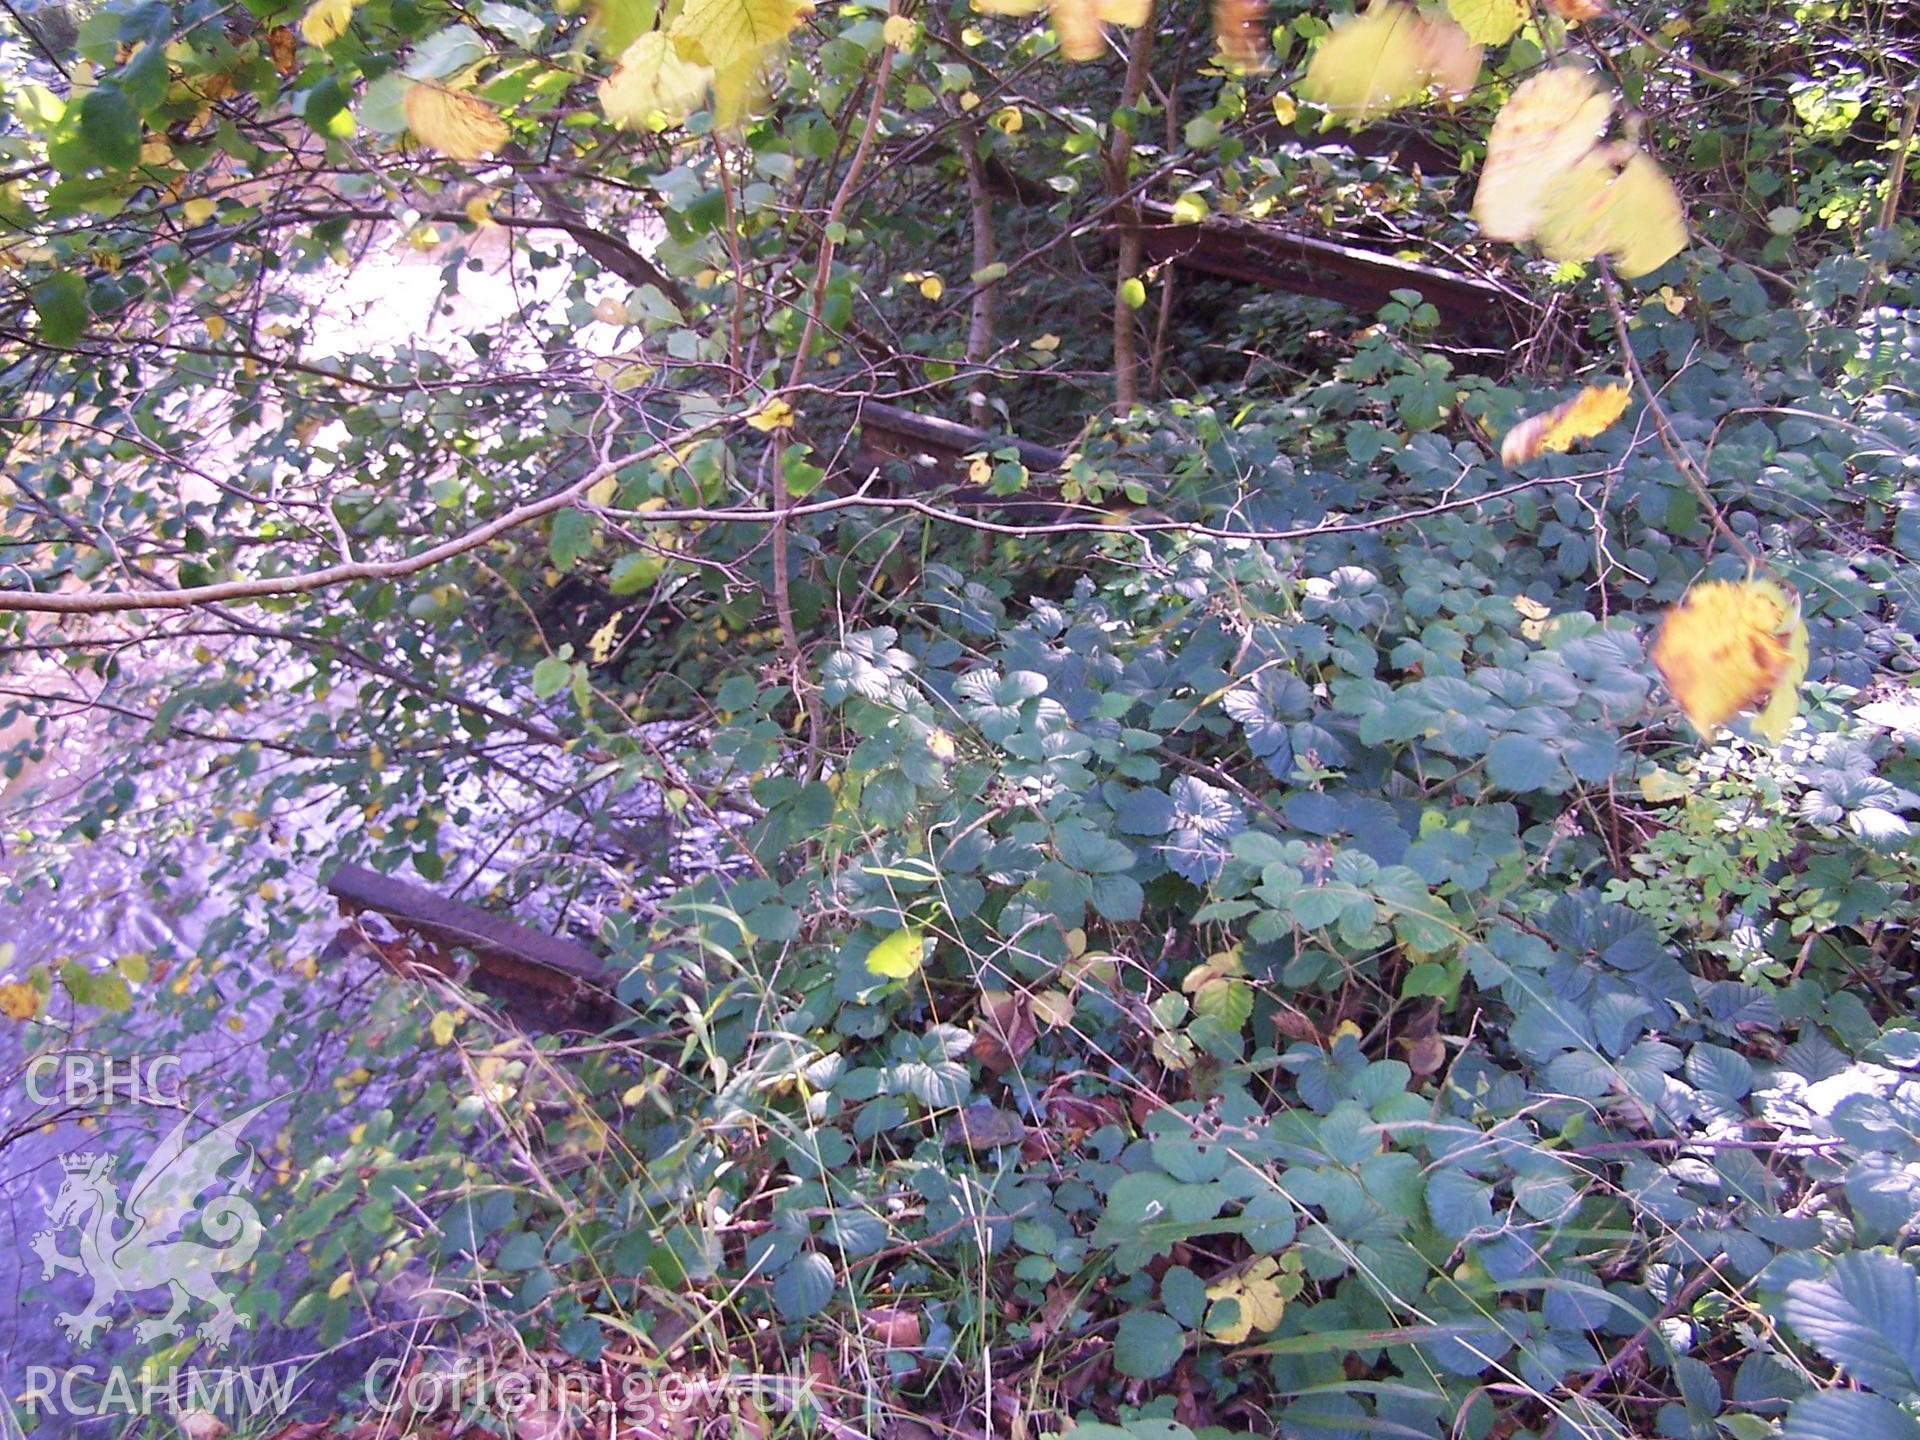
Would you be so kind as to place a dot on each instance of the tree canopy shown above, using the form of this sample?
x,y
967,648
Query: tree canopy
x,y
1227,691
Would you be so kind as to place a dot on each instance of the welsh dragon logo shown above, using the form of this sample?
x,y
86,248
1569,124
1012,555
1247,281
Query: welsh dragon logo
x,y
145,1255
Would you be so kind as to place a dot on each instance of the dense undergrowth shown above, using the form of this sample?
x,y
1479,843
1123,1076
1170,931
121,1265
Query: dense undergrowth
x,y
1268,961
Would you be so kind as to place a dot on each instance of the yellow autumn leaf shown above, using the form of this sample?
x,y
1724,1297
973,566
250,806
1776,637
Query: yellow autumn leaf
x,y
1390,56
900,32
1550,176
342,1283
480,211
1546,127
1369,65
1053,1007
1660,786
1008,120
600,643
1584,416
326,21
216,327
772,416
737,40
198,210
1080,25
1285,110
932,287
458,126
19,1000
898,956
442,1026
1259,1296
1733,646
1776,716
622,372
1489,22
654,87
1631,214
940,745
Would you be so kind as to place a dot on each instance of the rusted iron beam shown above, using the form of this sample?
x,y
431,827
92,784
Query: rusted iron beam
x,y
528,961
935,452
1306,265
926,442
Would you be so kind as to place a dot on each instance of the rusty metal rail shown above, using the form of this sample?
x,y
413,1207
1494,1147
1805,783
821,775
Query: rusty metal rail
x,y
1280,259
936,449
514,960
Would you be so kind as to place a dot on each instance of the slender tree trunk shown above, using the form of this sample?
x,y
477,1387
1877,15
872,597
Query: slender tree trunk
x,y
985,250
1157,365
1126,363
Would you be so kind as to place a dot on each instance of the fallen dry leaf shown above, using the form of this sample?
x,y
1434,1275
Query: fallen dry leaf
x,y
1005,1032
891,1325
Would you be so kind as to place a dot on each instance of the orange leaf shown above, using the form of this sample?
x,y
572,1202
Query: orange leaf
x,y
1240,33
1559,429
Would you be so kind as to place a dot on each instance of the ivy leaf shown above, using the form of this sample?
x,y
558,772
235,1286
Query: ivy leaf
x,y
521,1251
61,303
1864,1316
110,128
1848,1415
1205,820
804,1287
1148,1344
1458,1203
1521,763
